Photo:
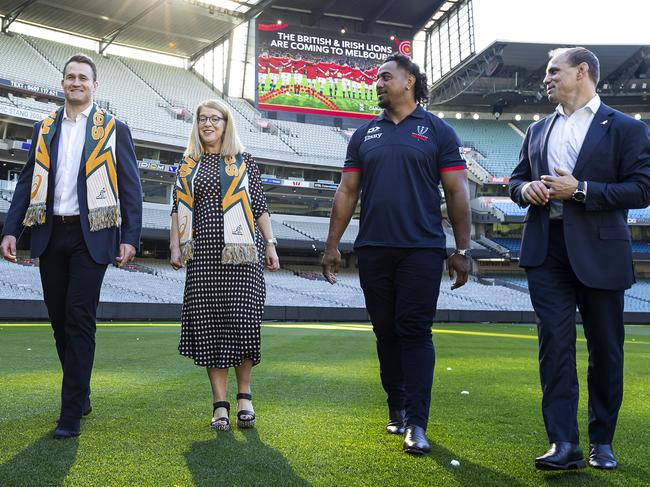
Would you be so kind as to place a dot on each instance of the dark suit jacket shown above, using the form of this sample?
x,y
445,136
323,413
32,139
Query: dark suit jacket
x,y
103,245
615,161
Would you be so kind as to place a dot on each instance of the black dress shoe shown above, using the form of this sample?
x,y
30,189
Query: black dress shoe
x,y
602,456
62,434
415,441
396,418
87,410
561,456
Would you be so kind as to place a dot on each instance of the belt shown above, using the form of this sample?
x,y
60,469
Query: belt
x,y
66,218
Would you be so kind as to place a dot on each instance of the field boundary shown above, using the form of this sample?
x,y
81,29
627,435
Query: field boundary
x,y
34,310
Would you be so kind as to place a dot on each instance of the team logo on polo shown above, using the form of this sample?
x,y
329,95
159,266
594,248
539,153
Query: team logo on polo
x,y
420,133
370,134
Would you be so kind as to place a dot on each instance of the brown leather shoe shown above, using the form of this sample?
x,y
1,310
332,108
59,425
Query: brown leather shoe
x,y
601,456
561,456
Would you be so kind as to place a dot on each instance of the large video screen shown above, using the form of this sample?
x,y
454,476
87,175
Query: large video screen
x,y
321,72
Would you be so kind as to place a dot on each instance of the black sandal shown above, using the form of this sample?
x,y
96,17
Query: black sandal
x,y
222,423
245,423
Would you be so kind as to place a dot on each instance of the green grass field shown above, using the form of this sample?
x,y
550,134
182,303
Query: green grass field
x,y
321,413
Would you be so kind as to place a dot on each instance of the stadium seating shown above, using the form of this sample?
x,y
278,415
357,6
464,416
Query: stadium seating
x,y
639,215
292,286
496,141
130,98
21,62
513,244
313,140
510,209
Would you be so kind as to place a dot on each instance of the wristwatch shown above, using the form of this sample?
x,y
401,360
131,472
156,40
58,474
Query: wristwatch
x,y
463,252
272,241
580,194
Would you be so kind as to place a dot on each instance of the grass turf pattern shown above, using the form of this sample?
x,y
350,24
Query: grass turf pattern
x,y
321,413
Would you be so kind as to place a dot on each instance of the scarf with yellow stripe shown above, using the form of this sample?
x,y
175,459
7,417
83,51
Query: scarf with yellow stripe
x,y
100,168
238,221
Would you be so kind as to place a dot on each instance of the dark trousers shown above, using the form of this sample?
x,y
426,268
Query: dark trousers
x,y
555,292
71,284
401,287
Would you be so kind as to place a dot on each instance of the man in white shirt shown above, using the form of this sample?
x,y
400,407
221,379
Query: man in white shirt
x,y
80,194
580,169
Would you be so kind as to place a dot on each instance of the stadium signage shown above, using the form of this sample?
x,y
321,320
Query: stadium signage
x,y
308,70
333,186
298,184
21,113
156,165
31,88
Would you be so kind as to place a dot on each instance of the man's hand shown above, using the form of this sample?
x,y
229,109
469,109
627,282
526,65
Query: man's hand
x,y
176,258
330,264
127,252
9,248
536,193
460,266
561,187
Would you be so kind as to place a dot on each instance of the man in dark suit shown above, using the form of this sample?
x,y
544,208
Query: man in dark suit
x,y
580,169
81,195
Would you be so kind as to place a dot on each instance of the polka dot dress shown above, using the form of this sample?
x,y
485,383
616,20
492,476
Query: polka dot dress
x,y
223,303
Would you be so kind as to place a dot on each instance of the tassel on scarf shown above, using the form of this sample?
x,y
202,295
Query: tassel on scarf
x,y
239,254
187,251
35,215
104,217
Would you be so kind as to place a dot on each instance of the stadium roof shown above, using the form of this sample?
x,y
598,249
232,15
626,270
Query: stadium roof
x,y
407,16
510,74
176,27
188,28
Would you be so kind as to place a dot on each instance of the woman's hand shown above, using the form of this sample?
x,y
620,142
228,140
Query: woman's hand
x,y
272,260
176,259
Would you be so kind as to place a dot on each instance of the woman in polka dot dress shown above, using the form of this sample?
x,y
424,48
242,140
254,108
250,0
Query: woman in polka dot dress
x,y
223,302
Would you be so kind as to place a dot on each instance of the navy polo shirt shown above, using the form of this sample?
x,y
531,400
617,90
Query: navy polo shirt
x,y
400,167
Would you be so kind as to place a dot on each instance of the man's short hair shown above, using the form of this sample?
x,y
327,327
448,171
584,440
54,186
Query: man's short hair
x,y
579,55
406,63
82,58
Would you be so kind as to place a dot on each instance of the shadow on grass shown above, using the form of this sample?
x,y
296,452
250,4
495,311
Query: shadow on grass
x,y
641,475
470,472
45,462
227,460
584,476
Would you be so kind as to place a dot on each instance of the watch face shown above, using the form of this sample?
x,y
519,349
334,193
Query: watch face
x,y
579,196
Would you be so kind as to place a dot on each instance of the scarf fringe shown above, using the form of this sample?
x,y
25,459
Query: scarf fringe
x,y
187,251
35,215
105,217
239,254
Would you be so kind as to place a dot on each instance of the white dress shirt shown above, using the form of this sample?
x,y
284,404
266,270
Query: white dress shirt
x,y
68,162
565,141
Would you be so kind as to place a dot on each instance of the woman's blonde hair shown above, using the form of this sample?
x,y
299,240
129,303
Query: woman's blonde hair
x,y
230,143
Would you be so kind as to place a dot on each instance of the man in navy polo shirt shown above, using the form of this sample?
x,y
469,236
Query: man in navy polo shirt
x,y
396,163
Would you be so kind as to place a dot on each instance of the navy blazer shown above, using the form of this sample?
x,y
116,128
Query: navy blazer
x,y
615,162
103,245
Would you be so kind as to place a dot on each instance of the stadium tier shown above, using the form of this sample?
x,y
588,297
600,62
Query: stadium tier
x,y
154,281
156,101
497,141
512,244
637,298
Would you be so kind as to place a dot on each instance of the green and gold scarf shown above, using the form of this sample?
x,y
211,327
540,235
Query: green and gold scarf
x,y
238,220
100,168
